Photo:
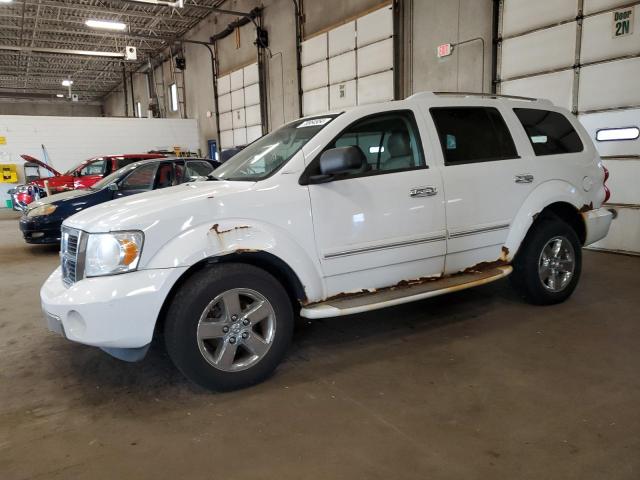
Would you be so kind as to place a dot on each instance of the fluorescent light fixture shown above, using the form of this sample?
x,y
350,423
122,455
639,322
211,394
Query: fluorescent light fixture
x,y
59,95
105,24
67,83
173,94
610,134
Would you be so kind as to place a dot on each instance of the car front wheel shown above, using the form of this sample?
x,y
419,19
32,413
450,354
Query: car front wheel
x,y
229,326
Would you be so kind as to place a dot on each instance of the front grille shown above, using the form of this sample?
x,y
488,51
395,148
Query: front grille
x,y
69,253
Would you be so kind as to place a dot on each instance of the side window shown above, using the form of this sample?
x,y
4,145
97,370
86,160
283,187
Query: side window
x,y
550,133
472,134
123,162
97,167
195,170
141,179
164,178
389,141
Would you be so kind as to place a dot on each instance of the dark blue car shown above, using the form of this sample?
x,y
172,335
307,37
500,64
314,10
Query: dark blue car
x,y
41,223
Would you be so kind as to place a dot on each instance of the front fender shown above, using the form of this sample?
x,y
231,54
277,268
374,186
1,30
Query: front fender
x,y
545,194
236,235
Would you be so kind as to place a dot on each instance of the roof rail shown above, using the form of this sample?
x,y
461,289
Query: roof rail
x,y
493,95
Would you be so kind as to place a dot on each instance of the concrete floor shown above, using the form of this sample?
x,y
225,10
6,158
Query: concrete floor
x,y
475,385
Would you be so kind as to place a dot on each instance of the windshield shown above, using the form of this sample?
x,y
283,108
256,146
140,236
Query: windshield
x,y
267,154
115,176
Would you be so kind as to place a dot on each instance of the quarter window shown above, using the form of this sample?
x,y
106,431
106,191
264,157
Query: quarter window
x,y
472,134
389,142
550,133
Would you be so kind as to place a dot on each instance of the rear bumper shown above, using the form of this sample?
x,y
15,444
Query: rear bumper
x,y
597,223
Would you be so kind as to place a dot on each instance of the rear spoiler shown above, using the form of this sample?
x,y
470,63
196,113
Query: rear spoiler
x,y
29,158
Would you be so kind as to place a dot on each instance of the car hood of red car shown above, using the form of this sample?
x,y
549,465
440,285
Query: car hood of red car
x,y
29,158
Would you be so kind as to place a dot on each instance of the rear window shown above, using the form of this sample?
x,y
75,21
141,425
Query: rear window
x,y
550,133
472,134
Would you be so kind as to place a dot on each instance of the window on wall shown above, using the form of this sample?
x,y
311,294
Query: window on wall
x,y
173,96
138,109
472,134
550,133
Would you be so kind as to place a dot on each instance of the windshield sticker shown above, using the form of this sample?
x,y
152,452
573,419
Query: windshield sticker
x,y
314,122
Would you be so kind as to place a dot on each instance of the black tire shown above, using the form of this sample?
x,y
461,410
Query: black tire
x,y
189,303
526,278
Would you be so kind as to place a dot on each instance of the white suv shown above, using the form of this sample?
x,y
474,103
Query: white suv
x,y
333,215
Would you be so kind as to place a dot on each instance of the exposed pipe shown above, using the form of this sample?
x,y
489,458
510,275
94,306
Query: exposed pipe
x,y
494,45
230,28
298,20
124,86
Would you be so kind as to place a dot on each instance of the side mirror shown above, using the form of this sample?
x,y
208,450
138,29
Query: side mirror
x,y
113,187
339,161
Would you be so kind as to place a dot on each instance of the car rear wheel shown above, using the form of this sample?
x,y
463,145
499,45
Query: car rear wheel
x,y
548,265
229,326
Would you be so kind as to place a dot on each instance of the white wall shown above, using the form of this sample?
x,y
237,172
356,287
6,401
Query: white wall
x,y
69,140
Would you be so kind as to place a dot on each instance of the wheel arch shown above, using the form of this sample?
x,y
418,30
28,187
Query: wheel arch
x,y
261,259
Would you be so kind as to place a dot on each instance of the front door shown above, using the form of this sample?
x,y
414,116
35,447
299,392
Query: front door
x,y
384,224
486,180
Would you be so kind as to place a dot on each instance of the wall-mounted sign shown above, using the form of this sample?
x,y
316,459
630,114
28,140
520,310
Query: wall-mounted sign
x,y
623,22
3,140
444,50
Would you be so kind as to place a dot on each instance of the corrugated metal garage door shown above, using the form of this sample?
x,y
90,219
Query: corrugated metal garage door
x,y
583,55
239,106
349,65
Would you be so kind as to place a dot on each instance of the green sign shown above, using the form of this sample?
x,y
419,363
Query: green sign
x,y
623,22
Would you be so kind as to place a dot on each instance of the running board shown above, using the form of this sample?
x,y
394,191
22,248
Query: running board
x,y
404,292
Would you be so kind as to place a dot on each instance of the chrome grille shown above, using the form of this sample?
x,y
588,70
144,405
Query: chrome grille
x,y
69,249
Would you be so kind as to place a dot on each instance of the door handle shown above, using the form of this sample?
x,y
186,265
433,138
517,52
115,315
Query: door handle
x,y
423,192
524,178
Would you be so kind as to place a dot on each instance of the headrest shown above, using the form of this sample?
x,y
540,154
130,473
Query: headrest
x,y
399,144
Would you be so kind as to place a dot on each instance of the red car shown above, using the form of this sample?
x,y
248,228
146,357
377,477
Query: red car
x,y
83,175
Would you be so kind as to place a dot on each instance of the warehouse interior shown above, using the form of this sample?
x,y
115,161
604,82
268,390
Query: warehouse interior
x,y
476,383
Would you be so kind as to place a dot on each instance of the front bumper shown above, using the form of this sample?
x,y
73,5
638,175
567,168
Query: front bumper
x,y
113,312
40,230
597,223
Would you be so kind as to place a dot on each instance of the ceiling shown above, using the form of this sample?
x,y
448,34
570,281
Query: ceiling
x,y
60,25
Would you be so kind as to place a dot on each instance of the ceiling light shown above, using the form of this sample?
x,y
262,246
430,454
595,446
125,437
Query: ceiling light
x,y
106,24
6,1
59,95
67,83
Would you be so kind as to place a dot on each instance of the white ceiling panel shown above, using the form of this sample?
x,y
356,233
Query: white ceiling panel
x,y
226,121
598,42
237,99
252,95
375,88
253,115
520,16
224,84
342,39
342,95
254,133
315,75
557,87
342,67
237,79
598,91
315,101
314,49
250,74
374,26
540,51
375,57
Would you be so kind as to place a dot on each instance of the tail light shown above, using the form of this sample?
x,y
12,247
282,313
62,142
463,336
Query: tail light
x,y
607,192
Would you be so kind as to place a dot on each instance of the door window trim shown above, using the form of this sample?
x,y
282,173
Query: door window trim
x,y
478,160
304,178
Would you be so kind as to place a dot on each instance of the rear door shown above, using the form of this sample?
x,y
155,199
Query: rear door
x,y
385,223
486,180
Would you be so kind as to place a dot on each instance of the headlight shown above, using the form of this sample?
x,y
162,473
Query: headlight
x,y
47,209
110,253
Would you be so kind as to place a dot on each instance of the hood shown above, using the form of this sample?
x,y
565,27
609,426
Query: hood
x,y
58,197
143,211
29,158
